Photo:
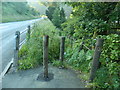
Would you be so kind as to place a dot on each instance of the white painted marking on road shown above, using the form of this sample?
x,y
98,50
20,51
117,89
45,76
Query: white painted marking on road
x,y
7,31
6,69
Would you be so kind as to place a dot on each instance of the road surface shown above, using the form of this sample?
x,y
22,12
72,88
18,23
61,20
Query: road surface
x,y
7,40
60,78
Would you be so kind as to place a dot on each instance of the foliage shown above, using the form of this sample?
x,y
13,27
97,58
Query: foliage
x,y
69,26
23,52
31,54
56,63
88,19
88,22
110,65
25,64
110,49
56,20
56,15
12,11
79,60
8,18
50,12
62,15
107,75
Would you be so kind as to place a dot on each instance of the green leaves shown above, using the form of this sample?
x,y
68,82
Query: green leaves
x,y
25,64
110,62
111,48
80,60
56,15
101,78
88,22
31,54
82,56
89,54
107,77
18,11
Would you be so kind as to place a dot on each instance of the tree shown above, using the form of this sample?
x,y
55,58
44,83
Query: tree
x,y
50,12
62,15
56,18
93,18
56,15
88,22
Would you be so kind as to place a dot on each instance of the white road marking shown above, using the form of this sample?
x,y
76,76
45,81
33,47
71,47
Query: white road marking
x,y
6,69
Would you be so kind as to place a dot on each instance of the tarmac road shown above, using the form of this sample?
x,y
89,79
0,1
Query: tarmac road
x,y
61,78
7,40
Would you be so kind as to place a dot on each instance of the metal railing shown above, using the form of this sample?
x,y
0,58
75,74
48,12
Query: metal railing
x,y
18,44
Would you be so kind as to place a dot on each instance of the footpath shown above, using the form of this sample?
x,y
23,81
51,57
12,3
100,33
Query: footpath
x,y
61,78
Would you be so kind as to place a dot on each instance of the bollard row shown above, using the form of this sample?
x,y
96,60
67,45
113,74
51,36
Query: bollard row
x,y
45,54
95,62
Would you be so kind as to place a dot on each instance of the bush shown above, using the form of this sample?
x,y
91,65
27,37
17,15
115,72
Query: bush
x,y
79,60
108,74
33,49
12,11
56,63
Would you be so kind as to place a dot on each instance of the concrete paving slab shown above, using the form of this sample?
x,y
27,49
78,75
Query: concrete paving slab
x,y
63,78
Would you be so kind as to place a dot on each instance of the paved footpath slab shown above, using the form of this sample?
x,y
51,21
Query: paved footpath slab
x,y
63,78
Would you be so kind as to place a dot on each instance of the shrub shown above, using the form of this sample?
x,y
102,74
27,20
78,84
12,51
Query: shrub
x,y
33,49
108,74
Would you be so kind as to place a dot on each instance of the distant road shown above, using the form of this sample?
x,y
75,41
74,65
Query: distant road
x,y
7,41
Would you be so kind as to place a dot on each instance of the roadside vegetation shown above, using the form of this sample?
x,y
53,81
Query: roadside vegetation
x,y
18,11
87,23
56,14
31,54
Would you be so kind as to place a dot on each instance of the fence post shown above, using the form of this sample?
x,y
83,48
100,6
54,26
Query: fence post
x,y
62,47
28,32
45,55
16,50
95,62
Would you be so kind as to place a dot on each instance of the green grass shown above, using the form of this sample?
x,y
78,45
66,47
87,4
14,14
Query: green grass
x,y
17,18
31,54
17,11
56,63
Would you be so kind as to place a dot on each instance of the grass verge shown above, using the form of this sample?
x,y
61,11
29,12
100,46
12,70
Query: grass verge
x,y
14,18
31,54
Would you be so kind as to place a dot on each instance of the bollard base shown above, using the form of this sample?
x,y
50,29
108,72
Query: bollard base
x,y
61,67
42,78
